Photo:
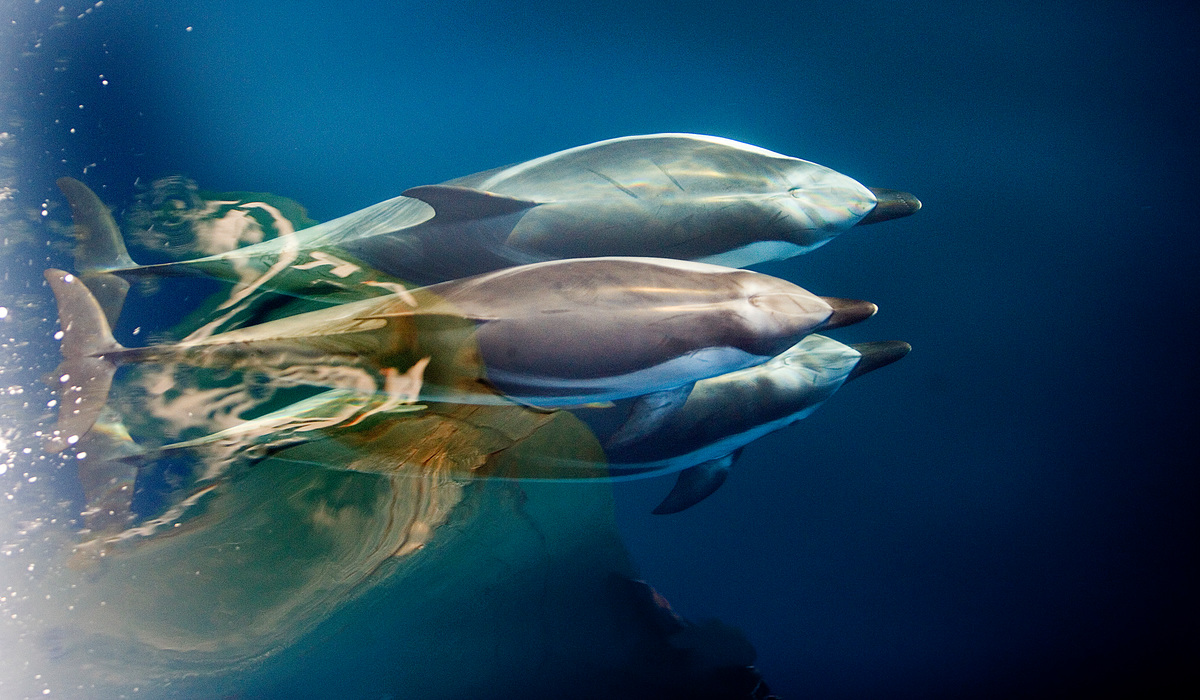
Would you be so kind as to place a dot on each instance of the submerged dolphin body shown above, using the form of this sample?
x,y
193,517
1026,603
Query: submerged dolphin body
x,y
724,414
679,196
559,333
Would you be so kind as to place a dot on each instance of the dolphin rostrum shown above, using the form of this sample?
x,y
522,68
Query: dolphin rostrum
x,y
558,333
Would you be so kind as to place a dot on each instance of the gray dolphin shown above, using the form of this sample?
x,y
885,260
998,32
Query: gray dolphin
x,y
723,414
682,196
702,438
557,333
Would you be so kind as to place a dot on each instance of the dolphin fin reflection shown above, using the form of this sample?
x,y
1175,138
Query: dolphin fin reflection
x,y
697,483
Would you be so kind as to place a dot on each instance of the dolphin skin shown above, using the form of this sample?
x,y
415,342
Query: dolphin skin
x,y
558,333
681,196
697,356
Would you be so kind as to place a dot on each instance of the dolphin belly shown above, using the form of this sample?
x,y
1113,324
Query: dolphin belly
x,y
561,390
758,252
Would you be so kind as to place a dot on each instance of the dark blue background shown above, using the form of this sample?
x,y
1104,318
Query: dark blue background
x,y
1012,508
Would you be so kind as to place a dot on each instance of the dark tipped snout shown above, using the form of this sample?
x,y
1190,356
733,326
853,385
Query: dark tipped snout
x,y
890,204
847,312
878,354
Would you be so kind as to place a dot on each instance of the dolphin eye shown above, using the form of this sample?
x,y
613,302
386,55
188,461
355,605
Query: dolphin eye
x,y
796,192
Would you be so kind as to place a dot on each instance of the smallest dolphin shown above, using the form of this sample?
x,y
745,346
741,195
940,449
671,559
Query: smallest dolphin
x,y
721,415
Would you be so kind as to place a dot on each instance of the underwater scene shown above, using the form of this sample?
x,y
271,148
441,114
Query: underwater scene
x,y
597,350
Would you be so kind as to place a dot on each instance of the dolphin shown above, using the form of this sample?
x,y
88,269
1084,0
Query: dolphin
x,y
723,414
558,333
684,196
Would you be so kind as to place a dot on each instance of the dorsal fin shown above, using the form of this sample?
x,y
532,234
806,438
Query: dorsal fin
x,y
453,203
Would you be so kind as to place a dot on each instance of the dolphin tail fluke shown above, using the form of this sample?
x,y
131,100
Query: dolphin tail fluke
x,y
99,247
85,375
109,291
697,483
109,461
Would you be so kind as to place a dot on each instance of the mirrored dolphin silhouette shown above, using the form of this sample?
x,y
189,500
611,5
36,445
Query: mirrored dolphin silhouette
x,y
679,196
559,333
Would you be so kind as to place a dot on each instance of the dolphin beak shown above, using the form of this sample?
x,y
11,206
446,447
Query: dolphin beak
x,y
890,204
876,355
847,312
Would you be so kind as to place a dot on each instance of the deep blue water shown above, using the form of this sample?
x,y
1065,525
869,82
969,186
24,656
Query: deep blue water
x,y
1008,511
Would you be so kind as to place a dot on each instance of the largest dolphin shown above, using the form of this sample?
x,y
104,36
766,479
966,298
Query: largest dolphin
x,y
559,333
683,196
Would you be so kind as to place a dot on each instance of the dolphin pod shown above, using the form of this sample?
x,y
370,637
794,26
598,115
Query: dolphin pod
x,y
604,273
